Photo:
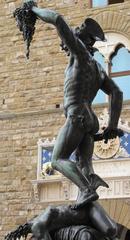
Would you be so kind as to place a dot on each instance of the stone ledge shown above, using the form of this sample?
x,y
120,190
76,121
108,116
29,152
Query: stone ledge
x,y
58,189
6,116
52,189
11,115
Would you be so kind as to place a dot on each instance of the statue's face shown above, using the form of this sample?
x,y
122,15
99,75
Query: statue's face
x,y
82,27
85,36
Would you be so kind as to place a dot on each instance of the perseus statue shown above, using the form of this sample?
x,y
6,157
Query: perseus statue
x,y
83,78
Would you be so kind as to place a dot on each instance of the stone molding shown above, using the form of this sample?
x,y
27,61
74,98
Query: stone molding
x,y
8,115
61,189
52,189
118,188
12,115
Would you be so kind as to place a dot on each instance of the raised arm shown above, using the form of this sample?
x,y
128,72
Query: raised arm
x,y
115,100
64,31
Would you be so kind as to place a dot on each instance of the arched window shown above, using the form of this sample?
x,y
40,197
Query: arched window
x,y
114,57
119,69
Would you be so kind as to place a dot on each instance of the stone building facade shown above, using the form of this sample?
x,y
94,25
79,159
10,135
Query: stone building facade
x,y
31,100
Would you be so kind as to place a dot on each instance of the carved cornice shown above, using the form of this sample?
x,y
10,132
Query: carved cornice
x,y
118,188
62,189
46,144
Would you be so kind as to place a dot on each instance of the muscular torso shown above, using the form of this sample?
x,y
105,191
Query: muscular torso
x,y
81,81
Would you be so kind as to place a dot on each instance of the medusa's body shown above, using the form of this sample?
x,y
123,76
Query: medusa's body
x,y
63,223
58,217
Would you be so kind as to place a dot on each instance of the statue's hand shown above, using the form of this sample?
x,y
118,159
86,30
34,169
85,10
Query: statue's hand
x,y
110,133
29,4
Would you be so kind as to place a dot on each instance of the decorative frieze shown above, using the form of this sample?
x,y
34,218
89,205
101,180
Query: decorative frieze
x,y
61,189
118,188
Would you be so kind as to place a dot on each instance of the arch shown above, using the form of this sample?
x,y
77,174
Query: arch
x,y
114,21
114,39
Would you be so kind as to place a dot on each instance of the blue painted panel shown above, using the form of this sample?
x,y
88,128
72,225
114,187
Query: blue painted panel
x,y
125,142
46,156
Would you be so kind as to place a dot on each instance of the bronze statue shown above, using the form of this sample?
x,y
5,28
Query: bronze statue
x,y
62,222
85,220
83,78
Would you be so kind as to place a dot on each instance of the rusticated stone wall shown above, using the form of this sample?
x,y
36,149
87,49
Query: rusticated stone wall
x,y
29,93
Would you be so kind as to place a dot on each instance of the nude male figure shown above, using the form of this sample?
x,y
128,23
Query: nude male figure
x,y
83,78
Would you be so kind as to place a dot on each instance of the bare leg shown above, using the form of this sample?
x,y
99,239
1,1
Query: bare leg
x,y
101,221
85,150
68,140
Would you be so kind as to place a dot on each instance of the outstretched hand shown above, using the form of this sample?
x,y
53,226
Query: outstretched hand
x,y
30,3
